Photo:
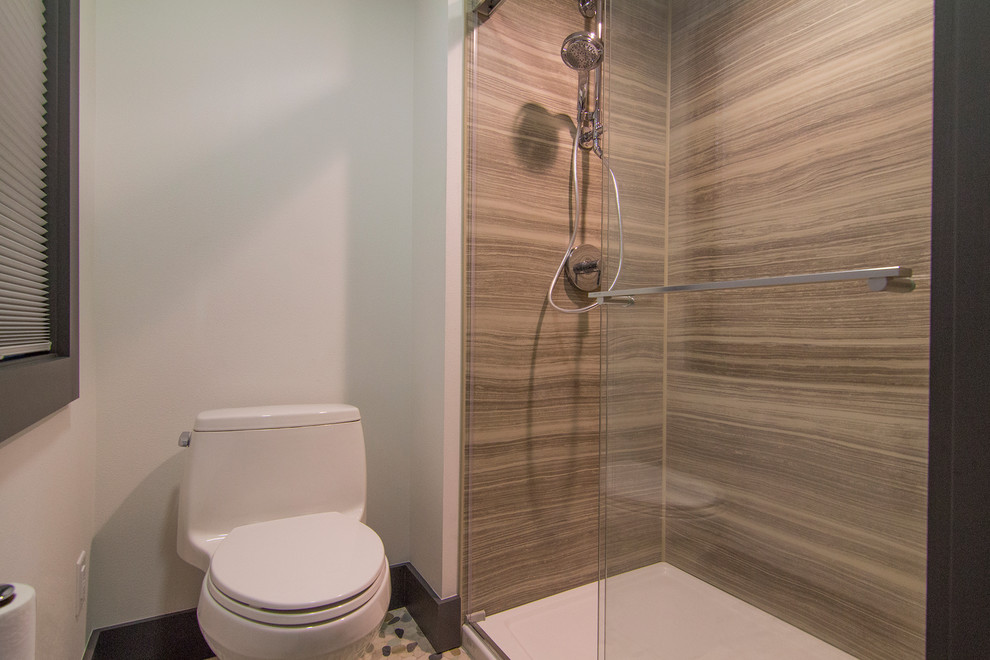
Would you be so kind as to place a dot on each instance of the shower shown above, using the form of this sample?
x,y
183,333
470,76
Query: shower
x,y
585,52
582,51
727,442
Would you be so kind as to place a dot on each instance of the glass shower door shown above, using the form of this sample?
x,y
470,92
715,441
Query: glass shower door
x,y
633,351
765,450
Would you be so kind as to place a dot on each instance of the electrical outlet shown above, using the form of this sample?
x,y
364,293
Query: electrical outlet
x,y
82,582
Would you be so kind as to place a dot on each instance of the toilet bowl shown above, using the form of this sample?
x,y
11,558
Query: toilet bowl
x,y
312,587
271,507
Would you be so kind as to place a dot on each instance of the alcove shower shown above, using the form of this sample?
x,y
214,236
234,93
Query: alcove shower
x,y
728,456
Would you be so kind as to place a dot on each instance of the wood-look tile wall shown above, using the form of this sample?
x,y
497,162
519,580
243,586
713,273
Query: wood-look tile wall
x,y
531,459
800,142
632,386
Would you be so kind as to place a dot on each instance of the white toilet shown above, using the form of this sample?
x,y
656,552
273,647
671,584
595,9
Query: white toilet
x,y
272,508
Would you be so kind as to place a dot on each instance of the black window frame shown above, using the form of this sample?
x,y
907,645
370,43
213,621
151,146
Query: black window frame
x,y
31,388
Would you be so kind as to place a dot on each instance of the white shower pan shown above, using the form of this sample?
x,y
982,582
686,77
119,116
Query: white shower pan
x,y
654,613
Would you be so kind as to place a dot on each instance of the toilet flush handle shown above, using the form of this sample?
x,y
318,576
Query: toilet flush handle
x,y
184,438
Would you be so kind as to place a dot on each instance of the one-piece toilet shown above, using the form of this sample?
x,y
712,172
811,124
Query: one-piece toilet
x,y
272,508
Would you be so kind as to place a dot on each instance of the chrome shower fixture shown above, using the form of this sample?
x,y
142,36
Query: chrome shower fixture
x,y
584,52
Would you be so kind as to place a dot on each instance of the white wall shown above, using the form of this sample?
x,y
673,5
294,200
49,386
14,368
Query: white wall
x,y
46,508
46,481
453,382
435,449
251,244
248,232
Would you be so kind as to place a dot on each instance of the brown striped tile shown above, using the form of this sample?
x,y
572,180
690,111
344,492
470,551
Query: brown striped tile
x,y
800,138
531,503
531,437
799,141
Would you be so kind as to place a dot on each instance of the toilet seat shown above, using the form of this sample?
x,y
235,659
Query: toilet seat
x,y
302,617
294,571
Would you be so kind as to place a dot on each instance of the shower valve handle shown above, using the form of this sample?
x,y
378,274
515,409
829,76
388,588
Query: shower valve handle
x,y
587,266
584,267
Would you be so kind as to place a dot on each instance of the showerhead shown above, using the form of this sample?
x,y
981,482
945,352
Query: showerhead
x,y
582,51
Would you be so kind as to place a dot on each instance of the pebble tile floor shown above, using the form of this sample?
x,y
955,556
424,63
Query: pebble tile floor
x,y
400,638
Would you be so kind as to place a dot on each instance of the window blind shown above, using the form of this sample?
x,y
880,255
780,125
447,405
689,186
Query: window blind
x,y
24,301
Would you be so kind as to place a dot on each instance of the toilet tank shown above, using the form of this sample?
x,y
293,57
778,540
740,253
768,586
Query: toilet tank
x,y
248,465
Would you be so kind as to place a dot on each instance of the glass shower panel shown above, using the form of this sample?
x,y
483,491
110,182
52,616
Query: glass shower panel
x,y
784,464
803,412
531,446
632,338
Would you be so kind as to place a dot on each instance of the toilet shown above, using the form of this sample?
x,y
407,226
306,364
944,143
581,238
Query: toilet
x,y
272,509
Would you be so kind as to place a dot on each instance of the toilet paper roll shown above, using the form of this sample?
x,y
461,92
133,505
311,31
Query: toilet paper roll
x,y
17,624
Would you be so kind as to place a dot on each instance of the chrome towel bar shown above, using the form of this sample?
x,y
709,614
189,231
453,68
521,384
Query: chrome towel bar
x,y
893,278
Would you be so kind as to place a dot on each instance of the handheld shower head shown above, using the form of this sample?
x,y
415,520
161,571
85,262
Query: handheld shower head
x,y
582,51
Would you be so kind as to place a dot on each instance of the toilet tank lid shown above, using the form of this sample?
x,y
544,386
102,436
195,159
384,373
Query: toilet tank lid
x,y
275,417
